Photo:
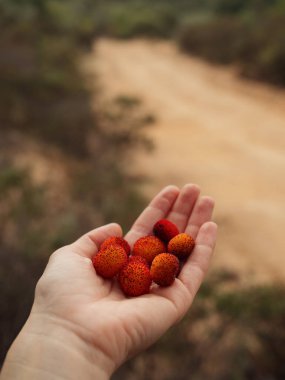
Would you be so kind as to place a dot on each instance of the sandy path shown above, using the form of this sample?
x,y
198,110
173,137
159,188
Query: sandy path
x,y
214,129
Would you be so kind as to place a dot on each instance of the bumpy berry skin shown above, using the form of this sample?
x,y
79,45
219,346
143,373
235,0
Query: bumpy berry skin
x,y
181,246
138,259
164,269
165,230
148,247
134,279
110,260
117,240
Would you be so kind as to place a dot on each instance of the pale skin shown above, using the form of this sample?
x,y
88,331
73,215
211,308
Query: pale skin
x,y
82,326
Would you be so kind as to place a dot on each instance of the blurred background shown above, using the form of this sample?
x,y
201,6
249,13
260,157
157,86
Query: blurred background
x,y
104,102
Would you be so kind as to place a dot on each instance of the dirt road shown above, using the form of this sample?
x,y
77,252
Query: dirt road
x,y
219,131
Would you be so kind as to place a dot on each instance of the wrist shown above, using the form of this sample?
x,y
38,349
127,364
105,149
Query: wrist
x,y
47,348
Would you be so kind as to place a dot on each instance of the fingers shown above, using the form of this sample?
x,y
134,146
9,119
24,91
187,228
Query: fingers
x,y
197,264
157,209
88,244
202,212
182,293
183,206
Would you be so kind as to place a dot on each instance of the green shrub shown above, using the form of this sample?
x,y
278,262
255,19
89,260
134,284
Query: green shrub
x,y
263,54
42,92
132,19
44,101
218,40
243,40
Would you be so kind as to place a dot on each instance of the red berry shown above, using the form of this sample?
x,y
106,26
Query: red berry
x,y
110,260
165,230
138,259
148,247
134,279
117,240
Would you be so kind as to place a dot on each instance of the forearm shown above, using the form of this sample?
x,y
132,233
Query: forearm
x,y
47,351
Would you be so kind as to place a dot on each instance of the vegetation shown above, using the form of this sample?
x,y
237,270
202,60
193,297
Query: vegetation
x,y
128,19
80,153
230,333
238,32
222,31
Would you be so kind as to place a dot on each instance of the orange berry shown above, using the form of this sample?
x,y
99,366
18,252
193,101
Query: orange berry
x,y
181,245
117,240
148,247
164,269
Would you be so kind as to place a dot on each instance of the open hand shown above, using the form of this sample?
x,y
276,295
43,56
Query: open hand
x,y
73,301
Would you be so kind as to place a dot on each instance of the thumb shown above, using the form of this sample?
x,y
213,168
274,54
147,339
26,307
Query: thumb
x,y
88,244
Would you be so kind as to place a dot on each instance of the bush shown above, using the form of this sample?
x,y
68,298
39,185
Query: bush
x,y
139,19
218,39
263,54
37,219
259,54
42,92
44,102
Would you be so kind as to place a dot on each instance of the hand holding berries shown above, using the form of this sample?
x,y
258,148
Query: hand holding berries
x,y
86,320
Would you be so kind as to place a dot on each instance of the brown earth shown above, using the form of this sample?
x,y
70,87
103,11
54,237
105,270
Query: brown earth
x,y
214,129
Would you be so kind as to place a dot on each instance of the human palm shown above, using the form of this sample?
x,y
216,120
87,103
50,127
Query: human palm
x,y
96,310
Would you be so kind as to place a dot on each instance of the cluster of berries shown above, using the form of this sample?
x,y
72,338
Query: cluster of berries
x,y
153,258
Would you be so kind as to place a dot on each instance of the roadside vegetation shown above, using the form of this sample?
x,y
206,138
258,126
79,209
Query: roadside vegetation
x,y
249,34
